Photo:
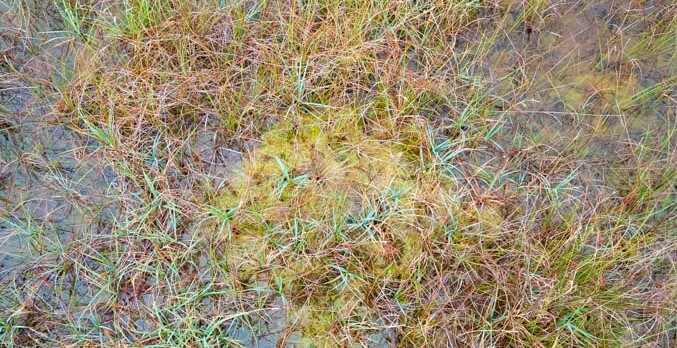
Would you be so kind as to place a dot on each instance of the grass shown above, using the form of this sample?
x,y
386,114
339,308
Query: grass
x,y
324,173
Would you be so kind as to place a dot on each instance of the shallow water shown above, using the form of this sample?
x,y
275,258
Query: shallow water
x,y
577,71
57,192
44,166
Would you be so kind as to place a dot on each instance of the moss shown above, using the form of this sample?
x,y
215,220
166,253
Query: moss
x,y
342,196
612,90
490,217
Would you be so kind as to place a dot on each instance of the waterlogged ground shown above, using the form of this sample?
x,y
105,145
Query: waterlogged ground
x,y
51,191
586,70
454,174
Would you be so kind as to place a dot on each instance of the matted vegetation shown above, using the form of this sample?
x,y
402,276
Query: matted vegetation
x,y
350,173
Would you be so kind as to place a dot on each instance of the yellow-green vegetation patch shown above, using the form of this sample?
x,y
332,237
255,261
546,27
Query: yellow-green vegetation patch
x,y
615,92
334,210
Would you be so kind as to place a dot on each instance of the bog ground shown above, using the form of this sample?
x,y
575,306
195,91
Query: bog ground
x,y
323,173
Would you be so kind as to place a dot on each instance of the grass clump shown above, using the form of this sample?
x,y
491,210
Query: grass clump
x,y
361,173
358,237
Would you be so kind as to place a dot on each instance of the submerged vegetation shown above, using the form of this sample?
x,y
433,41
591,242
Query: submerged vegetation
x,y
322,173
